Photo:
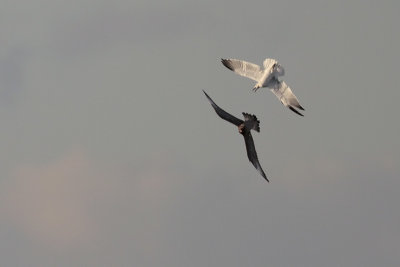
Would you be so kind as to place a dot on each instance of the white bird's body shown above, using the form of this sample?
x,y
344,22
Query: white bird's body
x,y
267,77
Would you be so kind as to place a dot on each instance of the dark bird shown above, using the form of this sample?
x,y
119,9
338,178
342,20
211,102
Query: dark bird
x,y
250,123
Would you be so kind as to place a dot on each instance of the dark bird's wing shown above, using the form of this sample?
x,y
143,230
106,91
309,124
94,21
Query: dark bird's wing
x,y
223,114
252,154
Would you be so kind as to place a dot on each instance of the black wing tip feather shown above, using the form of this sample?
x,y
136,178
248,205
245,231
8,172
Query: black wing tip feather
x,y
227,63
261,171
208,97
295,111
300,107
258,167
297,105
211,101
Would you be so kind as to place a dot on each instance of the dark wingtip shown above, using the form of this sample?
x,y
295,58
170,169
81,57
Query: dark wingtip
x,y
209,98
265,177
263,174
295,111
227,63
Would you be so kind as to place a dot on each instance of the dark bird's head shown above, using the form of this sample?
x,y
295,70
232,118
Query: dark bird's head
x,y
242,128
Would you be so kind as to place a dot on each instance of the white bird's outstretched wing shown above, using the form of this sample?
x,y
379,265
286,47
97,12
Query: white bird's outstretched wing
x,y
252,154
243,68
283,92
222,113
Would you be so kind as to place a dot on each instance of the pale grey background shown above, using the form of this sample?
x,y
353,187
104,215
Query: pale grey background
x,y
110,155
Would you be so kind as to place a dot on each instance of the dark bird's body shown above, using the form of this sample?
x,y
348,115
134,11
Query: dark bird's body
x,y
250,123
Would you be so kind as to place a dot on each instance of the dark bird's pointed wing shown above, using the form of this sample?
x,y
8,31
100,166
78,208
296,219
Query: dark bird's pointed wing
x,y
223,114
252,154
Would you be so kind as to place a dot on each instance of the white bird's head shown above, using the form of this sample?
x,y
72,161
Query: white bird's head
x,y
279,70
274,66
269,62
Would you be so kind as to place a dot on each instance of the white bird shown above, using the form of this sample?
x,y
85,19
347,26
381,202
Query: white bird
x,y
267,77
250,123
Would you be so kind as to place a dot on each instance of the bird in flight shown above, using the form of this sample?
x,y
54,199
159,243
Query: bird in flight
x,y
250,123
267,77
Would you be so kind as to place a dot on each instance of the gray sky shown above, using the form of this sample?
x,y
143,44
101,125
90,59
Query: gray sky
x,y
110,155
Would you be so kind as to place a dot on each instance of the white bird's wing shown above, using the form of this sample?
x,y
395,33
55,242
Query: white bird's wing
x,y
243,68
283,92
